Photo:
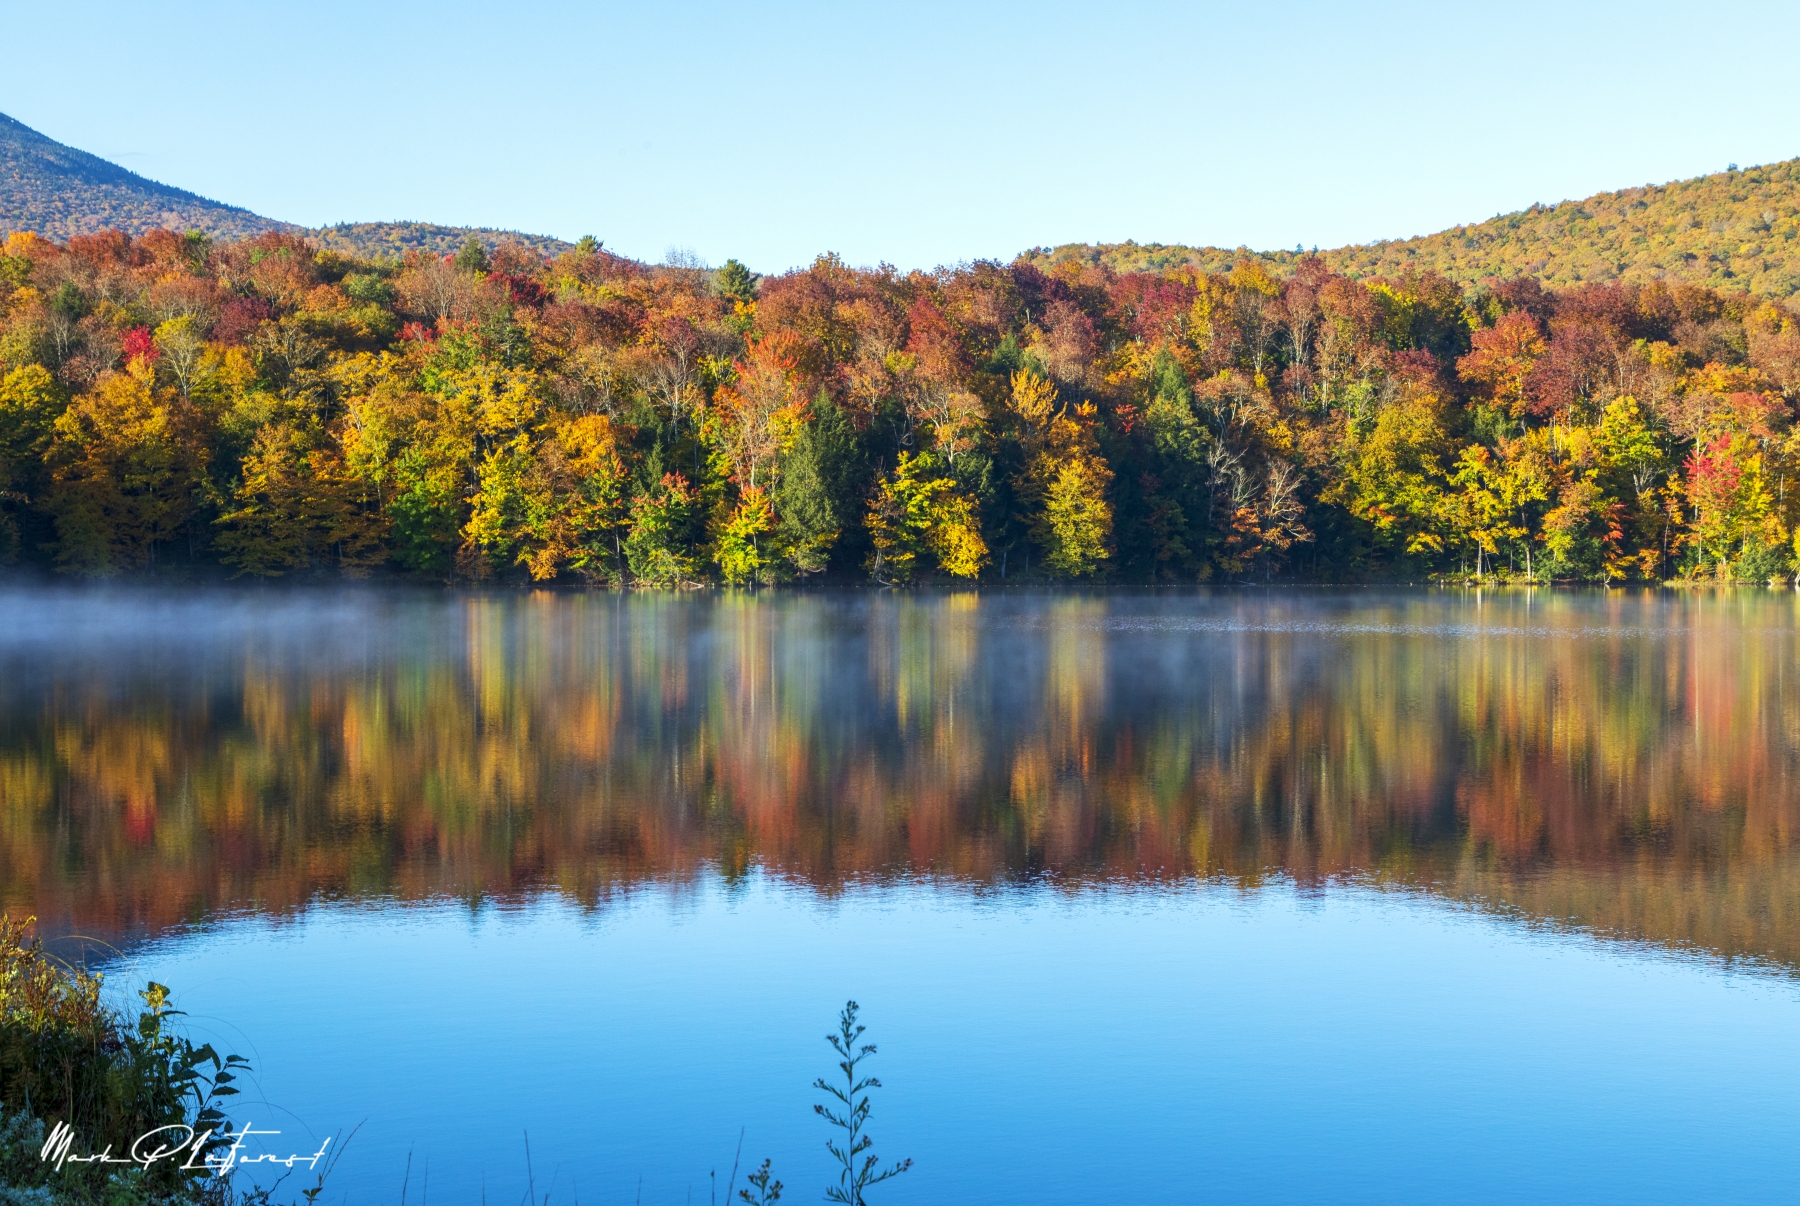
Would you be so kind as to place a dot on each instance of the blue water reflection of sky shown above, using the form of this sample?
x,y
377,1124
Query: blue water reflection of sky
x,y
1197,1044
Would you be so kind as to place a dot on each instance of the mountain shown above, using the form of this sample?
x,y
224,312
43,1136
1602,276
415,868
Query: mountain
x,y
1735,230
58,191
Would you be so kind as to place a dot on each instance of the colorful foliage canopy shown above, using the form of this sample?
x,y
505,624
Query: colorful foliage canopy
x,y
176,406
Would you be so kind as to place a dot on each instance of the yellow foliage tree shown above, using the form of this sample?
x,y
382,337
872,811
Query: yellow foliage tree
x,y
1393,475
128,461
918,519
552,500
1065,479
298,507
740,553
29,404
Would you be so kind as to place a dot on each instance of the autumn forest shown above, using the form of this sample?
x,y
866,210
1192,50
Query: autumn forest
x,y
187,409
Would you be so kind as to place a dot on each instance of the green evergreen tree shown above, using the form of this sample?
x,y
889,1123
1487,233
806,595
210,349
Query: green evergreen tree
x,y
815,495
472,256
735,281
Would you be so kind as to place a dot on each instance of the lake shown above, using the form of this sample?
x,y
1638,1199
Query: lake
x,y
1229,896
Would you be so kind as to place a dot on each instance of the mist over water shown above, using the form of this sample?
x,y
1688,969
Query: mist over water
x,y
1305,841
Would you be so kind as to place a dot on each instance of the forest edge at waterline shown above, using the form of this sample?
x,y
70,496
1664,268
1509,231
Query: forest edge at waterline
x,y
179,409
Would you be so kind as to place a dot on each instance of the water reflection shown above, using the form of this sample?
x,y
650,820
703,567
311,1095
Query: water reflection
x,y
1623,761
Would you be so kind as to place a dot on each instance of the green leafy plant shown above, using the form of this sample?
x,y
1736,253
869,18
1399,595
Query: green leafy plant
x,y
848,1112
67,1058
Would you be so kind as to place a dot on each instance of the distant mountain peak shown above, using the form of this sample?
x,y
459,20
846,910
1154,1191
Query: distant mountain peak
x,y
57,191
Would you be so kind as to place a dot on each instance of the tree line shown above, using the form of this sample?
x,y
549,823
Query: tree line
x,y
174,406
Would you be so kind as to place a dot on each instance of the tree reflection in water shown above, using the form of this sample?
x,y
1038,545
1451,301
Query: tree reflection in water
x,y
1623,761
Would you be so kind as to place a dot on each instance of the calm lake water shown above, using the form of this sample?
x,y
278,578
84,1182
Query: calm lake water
x,y
1238,897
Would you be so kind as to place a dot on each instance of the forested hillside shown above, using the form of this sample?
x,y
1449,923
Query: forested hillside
x,y
179,407
1738,230
393,240
57,191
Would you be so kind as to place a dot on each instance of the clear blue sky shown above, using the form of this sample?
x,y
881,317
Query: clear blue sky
x,y
917,133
